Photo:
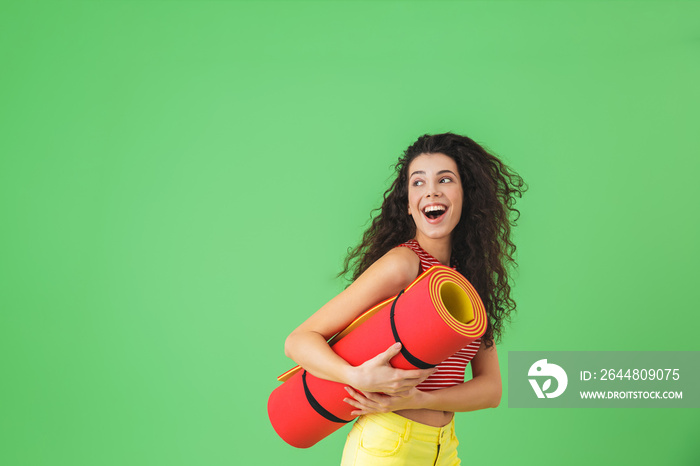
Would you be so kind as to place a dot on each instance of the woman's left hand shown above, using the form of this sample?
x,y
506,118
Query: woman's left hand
x,y
371,403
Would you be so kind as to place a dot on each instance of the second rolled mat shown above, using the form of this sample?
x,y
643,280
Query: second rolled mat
x,y
434,317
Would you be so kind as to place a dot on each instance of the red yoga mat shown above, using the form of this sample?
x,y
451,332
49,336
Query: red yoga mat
x,y
438,314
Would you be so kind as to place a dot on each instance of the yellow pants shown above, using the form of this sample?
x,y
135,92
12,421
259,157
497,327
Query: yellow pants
x,y
390,439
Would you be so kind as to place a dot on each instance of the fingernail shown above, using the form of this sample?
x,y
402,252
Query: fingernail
x,y
347,389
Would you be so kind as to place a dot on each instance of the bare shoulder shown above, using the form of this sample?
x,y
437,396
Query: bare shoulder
x,y
385,278
396,269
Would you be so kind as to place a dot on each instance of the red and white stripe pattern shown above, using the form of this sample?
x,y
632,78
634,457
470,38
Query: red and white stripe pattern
x,y
450,372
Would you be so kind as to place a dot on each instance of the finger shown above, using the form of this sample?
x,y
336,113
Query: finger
x,y
402,391
406,379
407,384
428,373
376,402
355,394
415,374
353,403
372,396
360,410
392,351
363,403
366,399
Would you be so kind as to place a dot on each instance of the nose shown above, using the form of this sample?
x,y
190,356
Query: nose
x,y
433,191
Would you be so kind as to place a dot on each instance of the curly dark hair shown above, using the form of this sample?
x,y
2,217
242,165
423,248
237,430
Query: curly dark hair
x,y
482,249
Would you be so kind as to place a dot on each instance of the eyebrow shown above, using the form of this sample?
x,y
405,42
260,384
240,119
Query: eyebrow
x,y
421,172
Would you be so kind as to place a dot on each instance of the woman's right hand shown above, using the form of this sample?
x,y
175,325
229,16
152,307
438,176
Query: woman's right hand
x,y
377,375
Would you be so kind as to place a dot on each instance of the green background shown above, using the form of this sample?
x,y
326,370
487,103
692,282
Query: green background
x,y
180,181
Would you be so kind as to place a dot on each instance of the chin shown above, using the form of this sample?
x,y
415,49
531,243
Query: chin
x,y
437,234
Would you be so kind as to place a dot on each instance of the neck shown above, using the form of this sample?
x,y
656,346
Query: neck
x,y
440,249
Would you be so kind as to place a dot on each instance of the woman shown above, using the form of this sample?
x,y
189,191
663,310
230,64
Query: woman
x,y
449,204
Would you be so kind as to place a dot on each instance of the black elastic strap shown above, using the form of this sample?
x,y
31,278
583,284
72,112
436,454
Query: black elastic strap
x,y
409,357
317,406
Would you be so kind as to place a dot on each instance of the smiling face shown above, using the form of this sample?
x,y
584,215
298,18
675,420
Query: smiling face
x,y
434,195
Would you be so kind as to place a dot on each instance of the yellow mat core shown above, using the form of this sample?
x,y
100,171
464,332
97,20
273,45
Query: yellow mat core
x,y
457,302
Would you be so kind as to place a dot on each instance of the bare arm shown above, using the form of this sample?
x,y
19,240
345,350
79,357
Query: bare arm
x,y
307,344
482,391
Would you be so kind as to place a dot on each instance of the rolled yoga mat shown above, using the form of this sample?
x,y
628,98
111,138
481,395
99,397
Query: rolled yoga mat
x,y
438,314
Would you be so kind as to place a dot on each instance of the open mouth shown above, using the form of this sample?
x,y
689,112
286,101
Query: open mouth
x,y
434,212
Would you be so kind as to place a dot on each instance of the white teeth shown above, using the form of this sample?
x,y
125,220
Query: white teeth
x,y
433,208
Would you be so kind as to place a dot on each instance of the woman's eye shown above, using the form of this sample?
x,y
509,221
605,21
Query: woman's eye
x,y
446,180
418,183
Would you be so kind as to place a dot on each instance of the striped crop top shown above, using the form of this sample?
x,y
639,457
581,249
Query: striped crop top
x,y
451,371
